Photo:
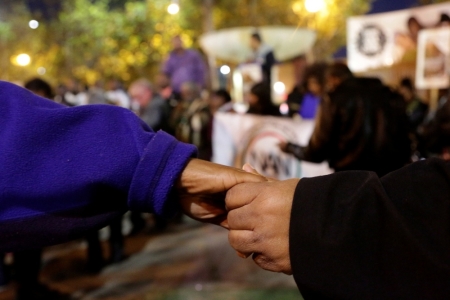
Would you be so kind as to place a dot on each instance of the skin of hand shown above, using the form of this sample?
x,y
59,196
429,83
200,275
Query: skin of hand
x,y
259,219
202,188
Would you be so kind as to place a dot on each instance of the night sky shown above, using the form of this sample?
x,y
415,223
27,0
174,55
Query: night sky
x,y
379,6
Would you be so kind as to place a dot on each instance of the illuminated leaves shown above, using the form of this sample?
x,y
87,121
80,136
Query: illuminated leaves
x,y
330,23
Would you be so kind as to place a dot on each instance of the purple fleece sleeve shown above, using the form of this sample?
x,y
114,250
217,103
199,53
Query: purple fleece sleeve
x,y
67,170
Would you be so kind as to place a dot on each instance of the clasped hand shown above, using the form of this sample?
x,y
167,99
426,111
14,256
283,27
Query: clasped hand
x,y
255,210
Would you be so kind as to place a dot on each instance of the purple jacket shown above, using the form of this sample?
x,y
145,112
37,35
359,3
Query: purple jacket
x,y
186,67
64,171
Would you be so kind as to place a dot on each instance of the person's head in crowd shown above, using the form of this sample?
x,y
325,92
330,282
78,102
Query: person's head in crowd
x,y
337,73
190,91
444,21
218,99
40,87
260,100
255,41
115,84
162,86
141,92
177,43
406,89
315,79
414,27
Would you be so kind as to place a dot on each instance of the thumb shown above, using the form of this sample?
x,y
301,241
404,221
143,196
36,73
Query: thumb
x,y
248,168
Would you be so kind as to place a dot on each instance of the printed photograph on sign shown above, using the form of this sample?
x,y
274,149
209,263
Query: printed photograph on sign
x,y
432,71
382,40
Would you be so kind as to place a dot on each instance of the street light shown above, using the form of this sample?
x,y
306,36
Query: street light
x,y
23,60
225,70
33,24
313,6
173,8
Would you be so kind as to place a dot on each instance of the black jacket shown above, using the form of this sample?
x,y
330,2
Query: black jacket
x,y
355,236
362,125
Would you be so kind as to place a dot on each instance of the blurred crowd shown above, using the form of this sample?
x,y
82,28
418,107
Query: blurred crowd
x,y
361,124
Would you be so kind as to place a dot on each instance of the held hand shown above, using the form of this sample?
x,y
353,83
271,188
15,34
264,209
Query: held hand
x,y
259,219
202,188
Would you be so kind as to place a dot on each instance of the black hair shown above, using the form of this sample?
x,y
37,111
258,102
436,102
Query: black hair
x,y
39,85
265,106
222,93
339,70
317,71
257,36
444,18
407,83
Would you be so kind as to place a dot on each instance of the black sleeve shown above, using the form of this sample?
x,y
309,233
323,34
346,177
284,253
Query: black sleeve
x,y
296,150
355,236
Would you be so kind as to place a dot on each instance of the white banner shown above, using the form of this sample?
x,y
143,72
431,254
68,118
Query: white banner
x,y
240,139
432,71
381,40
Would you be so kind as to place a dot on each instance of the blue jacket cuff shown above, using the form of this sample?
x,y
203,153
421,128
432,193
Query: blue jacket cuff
x,y
160,166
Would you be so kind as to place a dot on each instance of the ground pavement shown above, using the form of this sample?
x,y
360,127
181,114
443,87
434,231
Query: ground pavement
x,y
189,261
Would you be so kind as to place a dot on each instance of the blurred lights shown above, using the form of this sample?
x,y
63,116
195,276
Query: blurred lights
x,y
314,6
173,8
284,109
23,60
41,71
279,87
33,24
225,70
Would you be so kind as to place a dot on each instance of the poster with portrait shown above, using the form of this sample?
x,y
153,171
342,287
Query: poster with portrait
x,y
433,54
382,40
240,139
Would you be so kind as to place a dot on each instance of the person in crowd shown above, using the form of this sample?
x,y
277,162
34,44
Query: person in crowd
x,y
27,263
40,87
434,134
150,107
191,119
260,101
155,112
116,94
315,87
184,65
262,54
361,125
349,235
96,93
164,89
415,108
76,93
220,101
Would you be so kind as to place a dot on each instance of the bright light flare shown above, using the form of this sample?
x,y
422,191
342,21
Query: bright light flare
x,y
23,59
225,70
173,8
313,6
33,24
279,87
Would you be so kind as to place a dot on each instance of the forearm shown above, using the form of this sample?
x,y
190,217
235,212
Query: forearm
x,y
67,170
354,236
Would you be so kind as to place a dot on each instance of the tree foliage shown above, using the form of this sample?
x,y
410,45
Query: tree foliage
x,y
127,39
330,23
